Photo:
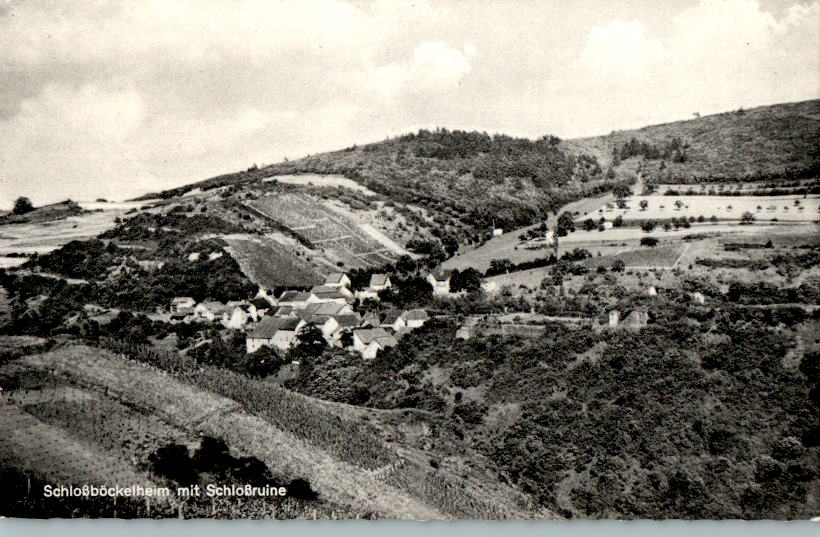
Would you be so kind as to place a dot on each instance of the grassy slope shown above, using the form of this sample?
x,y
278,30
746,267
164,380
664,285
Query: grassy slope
x,y
766,139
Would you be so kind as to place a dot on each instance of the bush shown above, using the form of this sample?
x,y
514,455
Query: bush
x,y
22,206
649,241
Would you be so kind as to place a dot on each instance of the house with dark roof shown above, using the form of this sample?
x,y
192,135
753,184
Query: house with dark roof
x,y
378,344
415,318
295,299
379,282
337,279
324,293
393,320
278,332
369,341
363,337
209,310
440,280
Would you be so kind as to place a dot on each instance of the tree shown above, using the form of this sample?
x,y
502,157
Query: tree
x,y
500,266
618,222
565,224
589,224
467,280
618,266
747,218
678,205
310,342
644,204
648,226
450,244
22,205
621,191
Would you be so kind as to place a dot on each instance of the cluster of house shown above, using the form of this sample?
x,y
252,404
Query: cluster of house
x,y
234,314
329,307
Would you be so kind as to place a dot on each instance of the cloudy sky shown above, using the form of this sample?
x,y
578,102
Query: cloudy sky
x,y
117,98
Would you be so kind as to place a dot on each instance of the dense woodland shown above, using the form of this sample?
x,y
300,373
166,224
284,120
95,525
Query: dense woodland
x,y
704,418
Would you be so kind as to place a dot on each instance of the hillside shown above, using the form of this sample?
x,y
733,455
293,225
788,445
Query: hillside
x,y
765,143
46,213
467,181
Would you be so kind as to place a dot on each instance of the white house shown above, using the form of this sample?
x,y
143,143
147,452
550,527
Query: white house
x,y
182,303
327,324
440,280
209,310
393,320
329,308
364,294
278,332
325,293
363,337
378,344
379,282
295,299
415,318
235,318
337,279
497,232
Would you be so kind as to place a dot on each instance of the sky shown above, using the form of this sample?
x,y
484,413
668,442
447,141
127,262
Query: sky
x,y
115,99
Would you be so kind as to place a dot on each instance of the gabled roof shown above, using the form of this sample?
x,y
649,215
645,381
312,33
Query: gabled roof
x,y
284,311
269,326
329,294
368,335
441,275
401,332
334,277
213,306
294,296
391,317
377,280
347,321
181,299
416,315
330,308
330,289
385,341
320,320
372,317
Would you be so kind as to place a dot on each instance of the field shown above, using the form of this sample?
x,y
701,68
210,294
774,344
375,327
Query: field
x,y
270,264
83,414
338,236
320,180
664,257
43,237
764,208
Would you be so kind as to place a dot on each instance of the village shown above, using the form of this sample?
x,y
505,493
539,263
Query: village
x,y
333,308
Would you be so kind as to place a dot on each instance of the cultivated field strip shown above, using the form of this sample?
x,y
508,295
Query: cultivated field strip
x,y
50,453
199,411
322,225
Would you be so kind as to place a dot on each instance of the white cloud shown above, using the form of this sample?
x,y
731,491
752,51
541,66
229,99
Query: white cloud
x,y
434,67
152,93
620,51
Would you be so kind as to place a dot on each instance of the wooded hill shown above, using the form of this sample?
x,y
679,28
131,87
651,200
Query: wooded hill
x,y
777,143
479,180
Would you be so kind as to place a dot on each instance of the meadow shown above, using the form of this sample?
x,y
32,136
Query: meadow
x,y
764,208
